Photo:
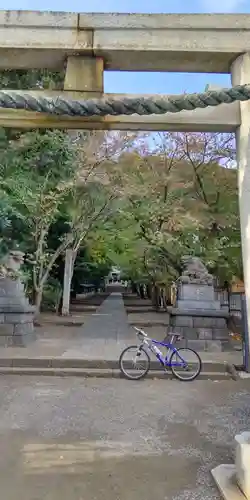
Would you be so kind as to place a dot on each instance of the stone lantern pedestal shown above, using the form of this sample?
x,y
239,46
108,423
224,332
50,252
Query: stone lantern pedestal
x,y
197,315
16,314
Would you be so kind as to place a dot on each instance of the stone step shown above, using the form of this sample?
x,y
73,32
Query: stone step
x,y
98,364
140,310
105,373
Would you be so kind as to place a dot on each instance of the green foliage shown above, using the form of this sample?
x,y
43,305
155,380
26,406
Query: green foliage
x,y
34,79
181,199
136,203
89,269
51,295
34,173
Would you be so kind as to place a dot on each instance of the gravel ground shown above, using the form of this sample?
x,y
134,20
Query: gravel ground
x,y
75,439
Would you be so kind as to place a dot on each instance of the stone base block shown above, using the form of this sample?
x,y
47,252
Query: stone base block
x,y
201,332
242,462
209,322
224,477
16,340
198,304
202,345
182,321
16,314
196,292
17,329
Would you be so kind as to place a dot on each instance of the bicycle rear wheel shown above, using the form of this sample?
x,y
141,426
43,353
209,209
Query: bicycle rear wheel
x,y
185,364
134,362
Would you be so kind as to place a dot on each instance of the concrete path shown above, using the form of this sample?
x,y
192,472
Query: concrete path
x,y
105,333
76,439
97,344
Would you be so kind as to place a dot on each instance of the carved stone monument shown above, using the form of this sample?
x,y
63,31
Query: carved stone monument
x,y
16,314
195,288
198,316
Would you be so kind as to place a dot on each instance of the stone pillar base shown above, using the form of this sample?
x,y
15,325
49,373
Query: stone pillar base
x,y
202,330
16,314
16,326
242,462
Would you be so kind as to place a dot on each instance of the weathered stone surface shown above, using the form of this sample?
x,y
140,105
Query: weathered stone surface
x,y
6,329
21,340
84,74
16,312
220,334
205,333
18,318
161,42
192,291
240,72
197,345
194,271
185,332
4,340
190,333
11,287
242,462
176,329
209,322
24,328
183,321
202,323
220,323
198,313
198,304
213,345
204,345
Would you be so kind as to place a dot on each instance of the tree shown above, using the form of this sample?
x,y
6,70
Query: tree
x,y
150,197
183,200
36,175
91,201
214,189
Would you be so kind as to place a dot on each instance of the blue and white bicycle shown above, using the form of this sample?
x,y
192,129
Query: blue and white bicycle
x,y
184,363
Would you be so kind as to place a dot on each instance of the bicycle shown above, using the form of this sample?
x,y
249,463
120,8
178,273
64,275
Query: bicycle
x,y
168,361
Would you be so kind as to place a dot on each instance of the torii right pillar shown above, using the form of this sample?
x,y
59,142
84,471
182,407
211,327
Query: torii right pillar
x,y
240,72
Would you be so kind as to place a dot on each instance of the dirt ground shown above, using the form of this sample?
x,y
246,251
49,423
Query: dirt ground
x,y
78,439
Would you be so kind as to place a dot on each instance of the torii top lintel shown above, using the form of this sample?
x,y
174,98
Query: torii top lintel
x,y
129,42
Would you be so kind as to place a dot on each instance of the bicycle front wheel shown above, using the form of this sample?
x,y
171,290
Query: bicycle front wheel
x,y
134,362
185,364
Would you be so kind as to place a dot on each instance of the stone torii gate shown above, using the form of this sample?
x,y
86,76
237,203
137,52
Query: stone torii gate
x,y
87,44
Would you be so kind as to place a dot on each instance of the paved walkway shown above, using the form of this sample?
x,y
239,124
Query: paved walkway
x,y
103,336
105,333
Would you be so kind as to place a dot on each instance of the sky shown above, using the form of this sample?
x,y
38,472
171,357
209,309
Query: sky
x,y
141,83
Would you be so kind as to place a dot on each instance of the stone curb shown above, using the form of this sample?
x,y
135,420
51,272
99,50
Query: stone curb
x,y
141,324
48,323
96,364
101,373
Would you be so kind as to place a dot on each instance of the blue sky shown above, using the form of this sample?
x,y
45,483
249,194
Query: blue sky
x,y
139,82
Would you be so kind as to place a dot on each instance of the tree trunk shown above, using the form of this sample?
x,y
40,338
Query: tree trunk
x,y
141,291
149,291
155,297
68,273
38,295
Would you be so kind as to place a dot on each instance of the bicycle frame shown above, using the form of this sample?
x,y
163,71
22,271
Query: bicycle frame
x,y
151,343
